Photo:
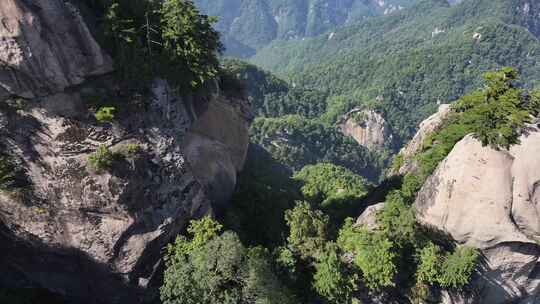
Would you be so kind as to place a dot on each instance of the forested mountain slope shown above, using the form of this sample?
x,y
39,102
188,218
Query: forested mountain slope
x,y
291,124
247,25
407,63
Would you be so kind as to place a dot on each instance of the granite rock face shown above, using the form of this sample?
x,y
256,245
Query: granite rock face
x,y
426,128
119,218
490,200
89,235
368,218
45,47
368,128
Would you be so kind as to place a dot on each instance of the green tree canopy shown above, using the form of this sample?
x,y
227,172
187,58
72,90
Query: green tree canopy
x,y
308,230
217,269
374,253
190,44
169,39
332,279
498,112
323,181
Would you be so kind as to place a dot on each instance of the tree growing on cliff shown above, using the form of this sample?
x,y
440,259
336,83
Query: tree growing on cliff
x,y
497,113
190,44
102,159
168,38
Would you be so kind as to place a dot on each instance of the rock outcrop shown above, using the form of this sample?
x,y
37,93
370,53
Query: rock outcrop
x,y
368,218
98,236
121,218
426,128
529,13
45,47
367,127
490,200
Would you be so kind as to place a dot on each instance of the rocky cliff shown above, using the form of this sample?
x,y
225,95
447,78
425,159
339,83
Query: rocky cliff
x,y
45,48
528,15
97,235
490,200
368,128
426,128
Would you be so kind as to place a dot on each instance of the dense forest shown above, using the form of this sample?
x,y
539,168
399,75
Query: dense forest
x,y
405,64
307,223
402,65
246,26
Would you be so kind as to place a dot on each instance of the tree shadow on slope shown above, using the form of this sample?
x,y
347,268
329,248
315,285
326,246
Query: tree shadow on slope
x,y
265,189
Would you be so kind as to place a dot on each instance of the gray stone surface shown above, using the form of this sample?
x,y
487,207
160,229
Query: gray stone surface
x,y
489,199
368,218
426,128
45,47
367,127
123,217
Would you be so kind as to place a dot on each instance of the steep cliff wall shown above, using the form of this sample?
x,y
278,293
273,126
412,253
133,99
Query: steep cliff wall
x,y
45,47
98,236
368,128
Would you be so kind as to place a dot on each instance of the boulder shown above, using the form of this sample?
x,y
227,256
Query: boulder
x,y
489,199
368,218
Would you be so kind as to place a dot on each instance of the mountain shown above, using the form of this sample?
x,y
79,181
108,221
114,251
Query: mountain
x,y
405,64
472,187
247,25
486,199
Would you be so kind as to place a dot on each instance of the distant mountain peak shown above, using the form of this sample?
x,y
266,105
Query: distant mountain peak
x,y
248,25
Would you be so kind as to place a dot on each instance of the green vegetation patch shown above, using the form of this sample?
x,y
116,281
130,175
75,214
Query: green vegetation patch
x,y
7,172
105,114
496,115
169,39
102,159
405,63
297,141
12,175
213,267
334,189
